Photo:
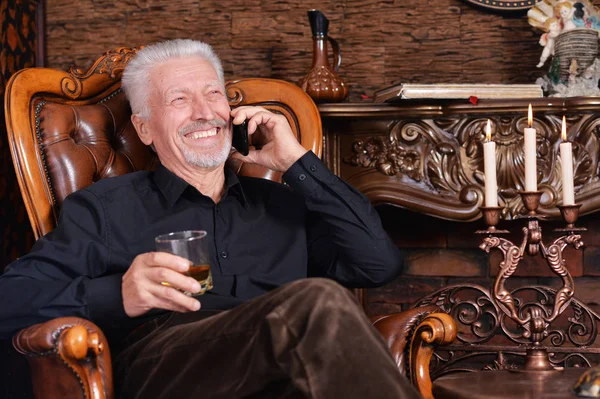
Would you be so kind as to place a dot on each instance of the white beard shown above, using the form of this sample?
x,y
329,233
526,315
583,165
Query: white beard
x,y
206,160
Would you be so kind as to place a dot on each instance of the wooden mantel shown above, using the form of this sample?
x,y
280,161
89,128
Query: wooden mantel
x,y
427,155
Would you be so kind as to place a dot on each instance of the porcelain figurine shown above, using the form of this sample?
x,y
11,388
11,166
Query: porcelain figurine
x,y
547,40
565,11
570,38
571,14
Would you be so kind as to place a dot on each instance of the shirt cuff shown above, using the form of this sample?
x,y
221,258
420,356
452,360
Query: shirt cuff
x,y
305,173
105,300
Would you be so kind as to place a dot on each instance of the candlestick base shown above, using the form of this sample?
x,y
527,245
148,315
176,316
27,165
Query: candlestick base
x,y
531,201
537,361
491,216
570,214
533,318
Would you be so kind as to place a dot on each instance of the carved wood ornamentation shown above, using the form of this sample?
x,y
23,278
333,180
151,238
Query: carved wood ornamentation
x,y
111,63
429,158
487,339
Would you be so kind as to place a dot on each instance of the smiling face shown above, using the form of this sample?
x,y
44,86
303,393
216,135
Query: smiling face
x,y
565,11
189,123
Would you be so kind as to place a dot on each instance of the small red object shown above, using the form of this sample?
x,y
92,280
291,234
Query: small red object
x,y
364,96
473,100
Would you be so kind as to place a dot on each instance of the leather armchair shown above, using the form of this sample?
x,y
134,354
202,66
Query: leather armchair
x,y
67,130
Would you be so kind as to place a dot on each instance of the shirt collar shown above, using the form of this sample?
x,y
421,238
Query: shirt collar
x,y
173,186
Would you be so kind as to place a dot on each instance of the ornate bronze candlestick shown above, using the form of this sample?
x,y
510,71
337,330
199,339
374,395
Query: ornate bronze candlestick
x,y
534,319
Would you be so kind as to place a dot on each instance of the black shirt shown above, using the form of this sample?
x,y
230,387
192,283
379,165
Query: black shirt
x,y
262,235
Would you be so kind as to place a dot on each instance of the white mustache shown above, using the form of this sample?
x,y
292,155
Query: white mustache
x,y
201,126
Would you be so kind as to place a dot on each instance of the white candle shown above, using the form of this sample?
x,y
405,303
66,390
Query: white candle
x,y
530,154
566,157
489,168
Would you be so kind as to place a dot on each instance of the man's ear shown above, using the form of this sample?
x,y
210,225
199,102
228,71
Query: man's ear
x,y
141,127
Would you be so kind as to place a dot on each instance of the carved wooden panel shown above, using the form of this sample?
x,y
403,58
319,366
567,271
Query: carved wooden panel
x,y
488,340
427,156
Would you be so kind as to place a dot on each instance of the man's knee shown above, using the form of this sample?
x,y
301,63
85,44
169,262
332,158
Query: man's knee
x,y
322,293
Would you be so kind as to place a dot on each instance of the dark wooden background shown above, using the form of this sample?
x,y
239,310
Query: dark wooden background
x,y
383,42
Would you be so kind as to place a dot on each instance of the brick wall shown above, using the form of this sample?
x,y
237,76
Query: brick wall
x,y
383,42
441,253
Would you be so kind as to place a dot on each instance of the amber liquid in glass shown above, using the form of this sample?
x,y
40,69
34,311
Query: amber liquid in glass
x,y
201,273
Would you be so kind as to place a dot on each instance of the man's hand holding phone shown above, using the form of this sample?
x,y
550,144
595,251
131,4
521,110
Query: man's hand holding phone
x,y
270,132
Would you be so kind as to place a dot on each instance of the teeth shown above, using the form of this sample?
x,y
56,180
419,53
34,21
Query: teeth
x,y
200,135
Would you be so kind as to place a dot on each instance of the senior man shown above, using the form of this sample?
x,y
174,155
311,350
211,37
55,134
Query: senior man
x,y
265,329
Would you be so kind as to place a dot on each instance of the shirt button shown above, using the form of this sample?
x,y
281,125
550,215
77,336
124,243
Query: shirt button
x,y
224,255
313,168
218,209
302,177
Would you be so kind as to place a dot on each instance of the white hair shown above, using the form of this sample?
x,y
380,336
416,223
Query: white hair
x,y
136,76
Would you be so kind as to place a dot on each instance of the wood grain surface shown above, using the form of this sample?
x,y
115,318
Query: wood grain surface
x,y
384,42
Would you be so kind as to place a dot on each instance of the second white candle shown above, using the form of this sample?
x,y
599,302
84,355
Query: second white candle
x,y
530,155
566,157
489,168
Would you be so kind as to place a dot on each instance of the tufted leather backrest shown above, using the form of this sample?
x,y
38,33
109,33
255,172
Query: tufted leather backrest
x,y
81,144
67,130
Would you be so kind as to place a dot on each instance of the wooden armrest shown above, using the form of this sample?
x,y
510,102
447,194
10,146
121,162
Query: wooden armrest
x,y
69,358
397,328
421,330
435,329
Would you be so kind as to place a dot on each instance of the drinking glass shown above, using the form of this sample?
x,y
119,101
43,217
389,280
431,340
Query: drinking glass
x,y
192,245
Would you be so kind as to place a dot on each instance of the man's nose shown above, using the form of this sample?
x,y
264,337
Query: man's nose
x,y
202,110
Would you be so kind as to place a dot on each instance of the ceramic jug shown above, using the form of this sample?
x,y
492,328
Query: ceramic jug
x,y
322,82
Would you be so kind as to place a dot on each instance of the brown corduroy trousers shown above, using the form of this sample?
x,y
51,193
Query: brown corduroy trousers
x,y
307,339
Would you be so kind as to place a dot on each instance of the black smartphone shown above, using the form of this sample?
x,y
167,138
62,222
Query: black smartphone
x,y
239,139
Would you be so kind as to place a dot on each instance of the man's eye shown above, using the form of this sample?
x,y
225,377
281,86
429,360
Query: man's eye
x,y
214,94
179,101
